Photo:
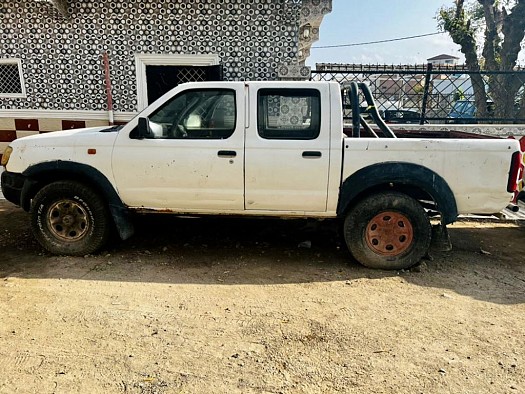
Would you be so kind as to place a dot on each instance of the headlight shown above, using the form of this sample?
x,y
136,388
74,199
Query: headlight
x,y
5,156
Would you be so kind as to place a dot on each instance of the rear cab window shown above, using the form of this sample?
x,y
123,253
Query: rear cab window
x,y
292,114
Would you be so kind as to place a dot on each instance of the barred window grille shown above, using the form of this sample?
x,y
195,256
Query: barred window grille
x,y
11,84
192,74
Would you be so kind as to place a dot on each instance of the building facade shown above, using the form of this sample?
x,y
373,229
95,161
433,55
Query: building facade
x,y
443,60
67,63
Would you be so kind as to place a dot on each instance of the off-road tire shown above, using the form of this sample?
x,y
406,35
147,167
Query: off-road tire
x,y
70,218
388,231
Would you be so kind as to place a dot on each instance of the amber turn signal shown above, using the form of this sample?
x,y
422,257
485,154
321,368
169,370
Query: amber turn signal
x,y
5,156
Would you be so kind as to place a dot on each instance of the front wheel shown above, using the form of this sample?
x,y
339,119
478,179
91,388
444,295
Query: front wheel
x,y
388,231
69,218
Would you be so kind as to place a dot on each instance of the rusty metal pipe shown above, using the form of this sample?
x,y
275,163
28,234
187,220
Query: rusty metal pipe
x,y
105,60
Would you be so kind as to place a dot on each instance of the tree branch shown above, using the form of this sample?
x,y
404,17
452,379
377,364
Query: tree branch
x,y
461,32
491,48
61,5
513,28
459,8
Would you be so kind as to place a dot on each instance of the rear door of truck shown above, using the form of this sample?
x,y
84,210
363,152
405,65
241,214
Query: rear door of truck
x,y
287,149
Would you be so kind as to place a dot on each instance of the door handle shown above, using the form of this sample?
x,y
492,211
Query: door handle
x,y
309,154
227,153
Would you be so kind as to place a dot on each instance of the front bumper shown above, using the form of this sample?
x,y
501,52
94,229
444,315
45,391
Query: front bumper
x,y
12,185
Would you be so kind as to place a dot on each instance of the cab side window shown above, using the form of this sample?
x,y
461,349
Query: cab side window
x,y
196,114
293,114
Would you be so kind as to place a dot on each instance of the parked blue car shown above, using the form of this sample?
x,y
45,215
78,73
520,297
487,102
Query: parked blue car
x,y
464,111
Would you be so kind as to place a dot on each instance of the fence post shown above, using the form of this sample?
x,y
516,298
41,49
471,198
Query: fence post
x,y
425,94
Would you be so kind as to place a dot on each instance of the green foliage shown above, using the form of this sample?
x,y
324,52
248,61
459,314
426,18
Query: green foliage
x,y
476,13
456,25
419,88
459,95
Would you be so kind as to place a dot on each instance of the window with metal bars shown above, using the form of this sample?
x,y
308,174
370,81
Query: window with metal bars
x,y
11,79
163,78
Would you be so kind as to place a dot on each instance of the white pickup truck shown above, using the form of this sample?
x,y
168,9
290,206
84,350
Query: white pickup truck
x,y
259,149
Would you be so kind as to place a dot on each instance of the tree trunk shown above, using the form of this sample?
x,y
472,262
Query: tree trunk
x,y
462,34
61,5
503,36
502,56
492,41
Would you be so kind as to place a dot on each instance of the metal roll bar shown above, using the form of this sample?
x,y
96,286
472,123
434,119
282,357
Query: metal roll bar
x,y
357,119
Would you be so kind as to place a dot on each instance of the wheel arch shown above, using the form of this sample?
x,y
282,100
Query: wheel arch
x,y
414,180
42,174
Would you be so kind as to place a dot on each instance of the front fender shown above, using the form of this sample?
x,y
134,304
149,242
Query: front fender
x,y
41,174
399,173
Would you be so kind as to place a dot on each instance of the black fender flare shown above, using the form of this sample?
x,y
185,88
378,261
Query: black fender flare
x,y
399,173
47,172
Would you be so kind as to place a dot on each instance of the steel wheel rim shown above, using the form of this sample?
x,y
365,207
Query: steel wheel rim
x,y
68,220
389,233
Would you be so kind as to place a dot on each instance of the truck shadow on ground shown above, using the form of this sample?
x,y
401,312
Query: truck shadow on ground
x,y
487,263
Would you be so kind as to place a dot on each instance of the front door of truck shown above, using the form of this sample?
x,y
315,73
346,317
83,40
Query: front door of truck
x,y
192,157
287,148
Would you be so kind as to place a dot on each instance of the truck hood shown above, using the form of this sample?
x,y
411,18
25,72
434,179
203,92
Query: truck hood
x,y
91,135
66,145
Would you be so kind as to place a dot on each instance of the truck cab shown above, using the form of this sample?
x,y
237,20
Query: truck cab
x,y
221,153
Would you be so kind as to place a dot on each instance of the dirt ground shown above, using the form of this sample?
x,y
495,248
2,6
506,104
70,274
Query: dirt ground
x,y
247,306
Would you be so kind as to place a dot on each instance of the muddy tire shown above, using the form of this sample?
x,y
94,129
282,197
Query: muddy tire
x,y
388,231
69,218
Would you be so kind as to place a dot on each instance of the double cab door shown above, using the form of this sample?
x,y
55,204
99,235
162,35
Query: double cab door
x,y
287,151
228,147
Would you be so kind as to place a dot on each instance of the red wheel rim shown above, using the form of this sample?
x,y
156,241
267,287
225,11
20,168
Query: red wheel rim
x,y
389,233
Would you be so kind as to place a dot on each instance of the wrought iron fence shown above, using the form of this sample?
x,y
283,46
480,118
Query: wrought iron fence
x,y
435,94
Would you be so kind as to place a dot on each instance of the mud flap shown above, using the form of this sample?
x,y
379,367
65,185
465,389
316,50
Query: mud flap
x,y
440,238
122,221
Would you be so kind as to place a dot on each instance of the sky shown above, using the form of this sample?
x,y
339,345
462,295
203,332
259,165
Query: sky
x,y
356,21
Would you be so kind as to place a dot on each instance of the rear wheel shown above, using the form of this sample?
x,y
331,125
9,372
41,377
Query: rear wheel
x,y
70,218
388,231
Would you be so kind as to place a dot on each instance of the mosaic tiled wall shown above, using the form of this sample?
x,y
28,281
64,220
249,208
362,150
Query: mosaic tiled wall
x,y
62,57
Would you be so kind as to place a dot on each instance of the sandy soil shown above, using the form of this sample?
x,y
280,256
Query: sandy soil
x,y
230,305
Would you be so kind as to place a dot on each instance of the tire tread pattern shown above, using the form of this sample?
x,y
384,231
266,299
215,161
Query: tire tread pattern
x,y
92,202
359,216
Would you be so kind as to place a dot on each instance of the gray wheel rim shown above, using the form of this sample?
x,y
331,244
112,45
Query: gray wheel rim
x,y
68,220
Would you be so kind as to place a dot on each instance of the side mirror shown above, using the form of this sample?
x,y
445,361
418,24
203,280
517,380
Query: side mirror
x,y
144,131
